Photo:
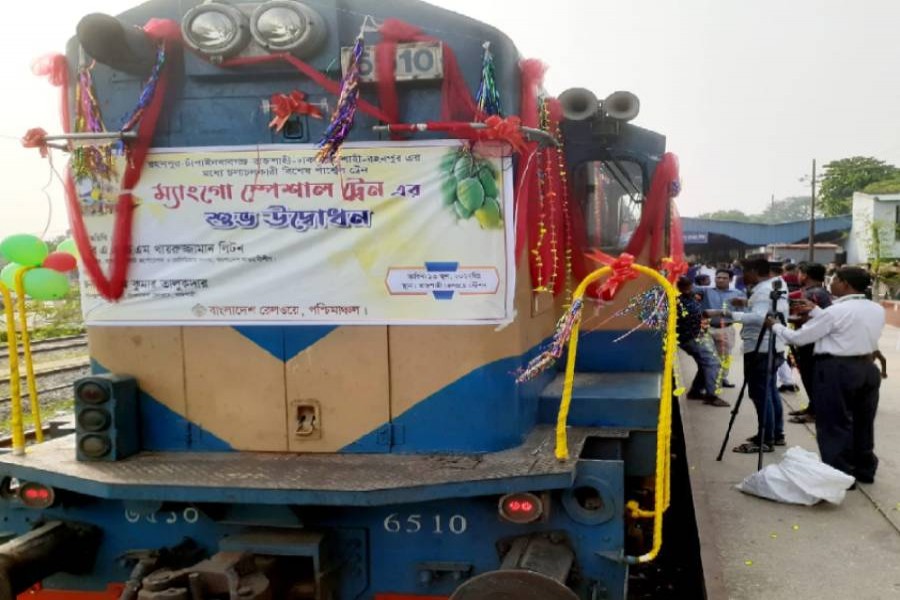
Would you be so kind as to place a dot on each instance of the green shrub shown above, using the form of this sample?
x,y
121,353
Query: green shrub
x,y
887,186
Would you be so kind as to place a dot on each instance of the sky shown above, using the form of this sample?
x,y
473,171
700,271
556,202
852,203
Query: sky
x,y
747,92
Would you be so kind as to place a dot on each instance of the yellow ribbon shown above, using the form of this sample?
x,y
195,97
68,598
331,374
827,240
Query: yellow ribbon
x,y
662,493
15,392
26,347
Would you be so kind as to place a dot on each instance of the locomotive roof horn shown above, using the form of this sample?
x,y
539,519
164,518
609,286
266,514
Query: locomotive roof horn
x,y
580,104
621,106
110,42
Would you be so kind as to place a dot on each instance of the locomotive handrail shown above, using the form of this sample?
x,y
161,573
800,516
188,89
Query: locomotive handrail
x,y
29,360
664,426
544,138
18,433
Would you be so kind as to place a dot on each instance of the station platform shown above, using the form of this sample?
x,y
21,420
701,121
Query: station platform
x,y
753,548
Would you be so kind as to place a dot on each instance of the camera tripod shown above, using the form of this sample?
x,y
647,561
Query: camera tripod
x,y
774,296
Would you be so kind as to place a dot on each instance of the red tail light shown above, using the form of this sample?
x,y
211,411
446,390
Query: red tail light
x,y
35,495
521,508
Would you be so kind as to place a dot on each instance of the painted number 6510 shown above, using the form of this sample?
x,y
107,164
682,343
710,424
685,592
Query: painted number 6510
x,y
416,523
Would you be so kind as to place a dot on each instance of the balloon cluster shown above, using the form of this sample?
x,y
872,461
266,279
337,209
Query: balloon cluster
x,y
45,276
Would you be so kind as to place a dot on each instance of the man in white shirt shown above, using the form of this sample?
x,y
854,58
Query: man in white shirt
x,y
756,359
846,379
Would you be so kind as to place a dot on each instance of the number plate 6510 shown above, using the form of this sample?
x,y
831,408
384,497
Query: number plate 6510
x,y
419,61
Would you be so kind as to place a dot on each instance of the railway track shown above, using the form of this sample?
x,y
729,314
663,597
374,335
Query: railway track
x,y
41,392
53,429
51,345
58,362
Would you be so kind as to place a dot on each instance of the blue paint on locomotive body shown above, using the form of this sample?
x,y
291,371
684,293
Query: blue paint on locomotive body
x,y
379,549
163,429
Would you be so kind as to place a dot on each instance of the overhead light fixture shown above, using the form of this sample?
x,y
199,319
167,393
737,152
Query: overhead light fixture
x,y
111,42
287,26
216,30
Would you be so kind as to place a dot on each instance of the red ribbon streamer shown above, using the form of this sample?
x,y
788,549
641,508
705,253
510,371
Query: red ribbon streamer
x,y
112,288
56,69
286,105
456,100
652,226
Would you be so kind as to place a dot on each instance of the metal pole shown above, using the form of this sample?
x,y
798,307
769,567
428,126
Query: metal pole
x,y
812,216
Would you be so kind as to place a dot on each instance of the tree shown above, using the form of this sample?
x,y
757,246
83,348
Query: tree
x,y
795,208
888,186
848,175
728,215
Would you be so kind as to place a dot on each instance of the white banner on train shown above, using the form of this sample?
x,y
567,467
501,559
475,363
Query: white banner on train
x,y
394,233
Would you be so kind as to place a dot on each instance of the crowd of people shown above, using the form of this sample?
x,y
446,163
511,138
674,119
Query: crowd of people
x,y
817,319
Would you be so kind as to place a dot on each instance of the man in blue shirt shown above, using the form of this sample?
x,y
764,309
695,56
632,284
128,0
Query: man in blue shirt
x,y
692,339
721,329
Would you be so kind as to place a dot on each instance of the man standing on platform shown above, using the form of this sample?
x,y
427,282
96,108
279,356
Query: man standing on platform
x,y
757,275
846,381
812,276
718,298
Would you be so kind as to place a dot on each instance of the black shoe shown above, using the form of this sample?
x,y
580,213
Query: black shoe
x,y
728,384
865,479
797,413
692,395
791,389
779,441
716,401
804,418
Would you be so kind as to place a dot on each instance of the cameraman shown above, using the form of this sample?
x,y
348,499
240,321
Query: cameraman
x,y
757,274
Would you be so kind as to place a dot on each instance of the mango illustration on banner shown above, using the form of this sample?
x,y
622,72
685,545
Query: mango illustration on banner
x,y
470,186
442,280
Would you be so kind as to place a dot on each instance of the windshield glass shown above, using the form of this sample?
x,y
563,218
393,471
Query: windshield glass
x,y
611,194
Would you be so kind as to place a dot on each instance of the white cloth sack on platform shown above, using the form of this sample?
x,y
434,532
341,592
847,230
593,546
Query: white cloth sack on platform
x,y
800,478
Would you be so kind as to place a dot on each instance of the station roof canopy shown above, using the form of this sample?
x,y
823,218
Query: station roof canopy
x,y
763,234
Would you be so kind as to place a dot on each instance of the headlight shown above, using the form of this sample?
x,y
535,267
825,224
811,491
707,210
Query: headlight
x,y
287,26
215,29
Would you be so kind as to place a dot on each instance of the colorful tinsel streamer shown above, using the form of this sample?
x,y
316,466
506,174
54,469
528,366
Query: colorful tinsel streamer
x,y
147,94
650,308
488,97
90,162
345,111
557,345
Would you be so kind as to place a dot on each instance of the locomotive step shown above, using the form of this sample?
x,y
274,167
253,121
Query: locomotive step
x,y
322,479
620,400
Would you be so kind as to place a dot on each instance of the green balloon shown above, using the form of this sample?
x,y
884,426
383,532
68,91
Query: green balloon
x,y
46,284
24,249
68,246
8,275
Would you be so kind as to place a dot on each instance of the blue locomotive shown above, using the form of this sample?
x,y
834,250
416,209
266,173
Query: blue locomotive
x,y
307,385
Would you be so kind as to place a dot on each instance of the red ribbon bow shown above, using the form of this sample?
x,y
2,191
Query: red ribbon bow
x,y
674,269
505,130
622,272
34,138
284,106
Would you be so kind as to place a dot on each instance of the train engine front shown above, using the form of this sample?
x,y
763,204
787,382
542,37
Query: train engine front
x,y
318,256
